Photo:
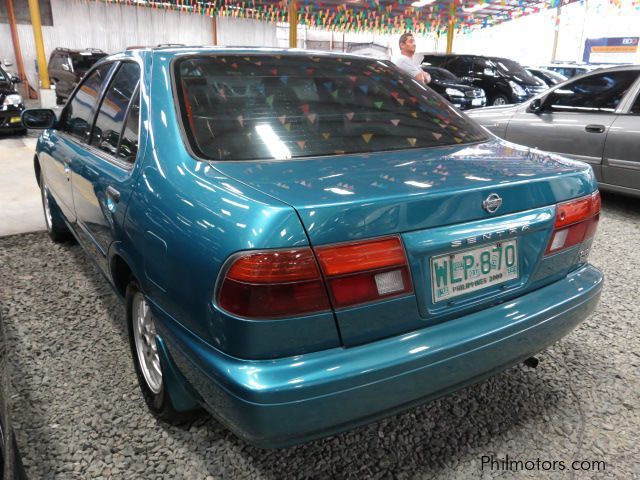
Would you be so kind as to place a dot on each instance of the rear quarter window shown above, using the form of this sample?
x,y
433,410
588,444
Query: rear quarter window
x,y
239,107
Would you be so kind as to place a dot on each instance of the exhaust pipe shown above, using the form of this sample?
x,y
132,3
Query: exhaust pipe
x,y
531,362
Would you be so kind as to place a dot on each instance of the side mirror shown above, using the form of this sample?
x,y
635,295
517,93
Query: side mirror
x,y
536,106
65,67
38,118
15,79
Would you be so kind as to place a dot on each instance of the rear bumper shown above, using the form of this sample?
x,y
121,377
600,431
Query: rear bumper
x,y
275,403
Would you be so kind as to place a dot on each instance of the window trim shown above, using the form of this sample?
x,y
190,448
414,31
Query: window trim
x,y
101,153
72,96
622,108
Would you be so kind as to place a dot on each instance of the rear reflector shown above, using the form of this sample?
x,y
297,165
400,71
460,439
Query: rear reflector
x,y
576,221
272,284
366,271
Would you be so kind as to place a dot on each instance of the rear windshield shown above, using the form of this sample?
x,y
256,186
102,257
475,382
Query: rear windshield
x,y
239,107
85,62
510,67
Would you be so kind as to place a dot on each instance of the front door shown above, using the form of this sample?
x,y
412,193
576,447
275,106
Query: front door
x,y
69,139
103,178
575,118
622,150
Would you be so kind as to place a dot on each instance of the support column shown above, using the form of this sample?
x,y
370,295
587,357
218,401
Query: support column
x,y
16,43
214,24
452,25
293,24
36,23
555,35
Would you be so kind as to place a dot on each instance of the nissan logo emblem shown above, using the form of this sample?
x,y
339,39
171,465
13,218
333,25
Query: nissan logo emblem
x,y
492,203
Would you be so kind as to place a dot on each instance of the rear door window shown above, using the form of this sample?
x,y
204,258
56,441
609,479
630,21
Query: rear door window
x,y
283,106
597,93
78,114
113,109
128,148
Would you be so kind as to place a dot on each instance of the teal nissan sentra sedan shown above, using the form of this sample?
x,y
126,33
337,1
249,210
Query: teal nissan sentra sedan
x,y
306,242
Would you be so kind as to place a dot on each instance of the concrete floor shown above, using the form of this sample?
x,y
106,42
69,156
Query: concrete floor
x,y
20,206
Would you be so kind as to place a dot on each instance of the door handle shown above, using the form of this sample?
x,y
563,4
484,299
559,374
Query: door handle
x,y
113,194
594,128
67,166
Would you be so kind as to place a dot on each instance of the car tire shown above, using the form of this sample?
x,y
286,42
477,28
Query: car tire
x,y
146,358
499,100
53,219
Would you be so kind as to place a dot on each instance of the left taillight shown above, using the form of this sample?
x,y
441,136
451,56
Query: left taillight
x,y
282,283
275,283
576,221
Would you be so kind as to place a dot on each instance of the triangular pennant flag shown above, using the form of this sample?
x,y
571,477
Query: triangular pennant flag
x,y
364,88
240,120
284,79
414,114
259,64
270,100
334,94
261,89
350,115
378,104
305,108
301,144
412,141
367,137
312,117
395,122
437,136
287,126
353,78
282,119
326,135
274,71
328,85
401,101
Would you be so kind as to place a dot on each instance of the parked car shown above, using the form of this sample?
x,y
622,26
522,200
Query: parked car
x,y
549,77
455,90
504,81
305,241
67,67
594,118
568,69
11,104
11,467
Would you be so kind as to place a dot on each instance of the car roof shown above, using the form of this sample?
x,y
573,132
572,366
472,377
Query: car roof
x,y
179,50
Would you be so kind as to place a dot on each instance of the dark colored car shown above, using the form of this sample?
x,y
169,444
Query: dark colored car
x,y
67,67
10,462
569,69
549,77
11,105
504,81
454,89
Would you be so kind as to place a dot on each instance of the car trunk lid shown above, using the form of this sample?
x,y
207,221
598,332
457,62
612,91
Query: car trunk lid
x,y
433,199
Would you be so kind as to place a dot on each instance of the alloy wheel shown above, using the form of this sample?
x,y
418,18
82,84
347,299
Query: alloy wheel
x,y
144,334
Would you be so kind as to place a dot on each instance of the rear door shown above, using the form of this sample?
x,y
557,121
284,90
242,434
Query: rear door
x,y
621,166
103,177
575,118
71,138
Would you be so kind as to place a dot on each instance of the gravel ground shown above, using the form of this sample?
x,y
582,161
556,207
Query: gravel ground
x,y
78,412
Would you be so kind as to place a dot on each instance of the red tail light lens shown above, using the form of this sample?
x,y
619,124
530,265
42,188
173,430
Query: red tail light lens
x,y
362,272
576,221
272,284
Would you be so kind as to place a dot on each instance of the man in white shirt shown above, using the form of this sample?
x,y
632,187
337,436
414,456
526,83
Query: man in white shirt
x,y
405,61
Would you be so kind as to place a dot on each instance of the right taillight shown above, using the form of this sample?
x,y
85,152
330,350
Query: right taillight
x,y
280,283
576,221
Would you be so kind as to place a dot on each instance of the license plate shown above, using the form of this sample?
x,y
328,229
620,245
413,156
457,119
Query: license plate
x,y
14,120
464,272
476,101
